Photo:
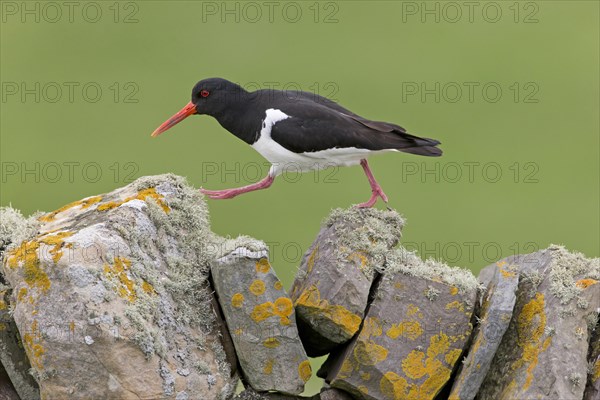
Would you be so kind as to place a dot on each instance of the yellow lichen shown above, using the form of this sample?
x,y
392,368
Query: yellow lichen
x,y
85,203
33,346
365,376
277,285
456,305
596,371
372,327
346,369
2,305
33,273
304,370
362,259
363,389
585,283
268,368
257,287
148,288
119,271
452,356
531,324
141,195
369,353
21,294
262,311
26,253
27,257
237,300
453,290
393,386
271,343
413,310
417,365
263,266
311,260
346,320
56,241
507,274
283,307
413,365
409,329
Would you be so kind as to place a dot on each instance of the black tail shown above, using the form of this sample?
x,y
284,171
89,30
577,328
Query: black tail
x,y
428,151
422,146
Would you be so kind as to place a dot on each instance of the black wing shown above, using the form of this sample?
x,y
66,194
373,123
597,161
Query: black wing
x,y
323,124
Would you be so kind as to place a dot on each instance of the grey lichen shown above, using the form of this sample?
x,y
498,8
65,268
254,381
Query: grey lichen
x,y
576,379
592,320
370,231
432,293
14,228
549,331
407,262
566,269
225,245
155,248
168,380
188,222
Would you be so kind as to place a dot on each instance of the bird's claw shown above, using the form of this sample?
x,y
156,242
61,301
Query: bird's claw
x,y
376,192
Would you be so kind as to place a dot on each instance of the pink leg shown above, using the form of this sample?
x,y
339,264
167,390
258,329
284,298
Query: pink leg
x,y
231,193
376,190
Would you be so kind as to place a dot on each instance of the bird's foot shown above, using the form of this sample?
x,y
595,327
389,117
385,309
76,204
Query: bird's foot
x,y
231,193
220,194
377,192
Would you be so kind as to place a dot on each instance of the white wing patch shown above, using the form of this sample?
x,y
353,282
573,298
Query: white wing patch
x,y
285,160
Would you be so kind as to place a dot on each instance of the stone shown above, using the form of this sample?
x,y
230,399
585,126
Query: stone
x,y
331,290
261,319
13,359
543,353
413,335
250,394
592,389
494,317
14,227
7,390
112,300
329,393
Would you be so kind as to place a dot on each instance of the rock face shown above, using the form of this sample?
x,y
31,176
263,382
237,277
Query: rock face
x,y
331,290
250,394
592,389
495,315
12,356
130,295
14,227
413,334
543,353
7,391
262,322
111,297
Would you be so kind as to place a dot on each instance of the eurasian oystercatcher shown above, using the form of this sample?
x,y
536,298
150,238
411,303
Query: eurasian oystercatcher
x,y
297,129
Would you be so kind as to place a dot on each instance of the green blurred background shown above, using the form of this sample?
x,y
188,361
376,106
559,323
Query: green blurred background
x,y
541,134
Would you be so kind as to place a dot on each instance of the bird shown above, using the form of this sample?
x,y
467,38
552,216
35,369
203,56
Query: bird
x,y
303,129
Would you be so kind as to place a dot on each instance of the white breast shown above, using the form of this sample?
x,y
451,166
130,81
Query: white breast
x,y
285,160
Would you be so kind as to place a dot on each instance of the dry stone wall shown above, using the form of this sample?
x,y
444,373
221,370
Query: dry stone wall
x,y
131,295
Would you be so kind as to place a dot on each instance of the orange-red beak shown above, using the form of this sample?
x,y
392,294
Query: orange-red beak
x,y
189,109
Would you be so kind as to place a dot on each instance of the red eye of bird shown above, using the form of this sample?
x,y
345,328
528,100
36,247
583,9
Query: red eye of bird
x,y
204,93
